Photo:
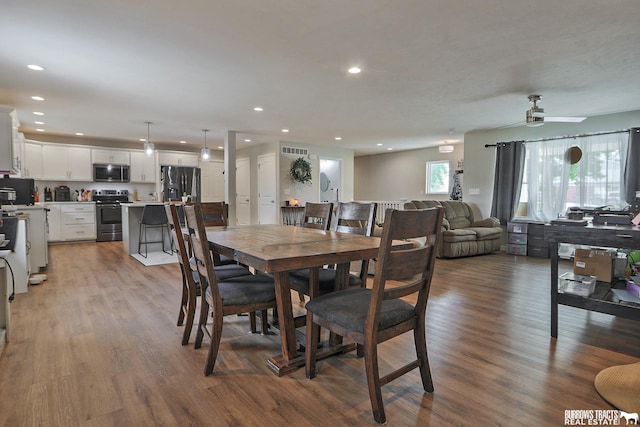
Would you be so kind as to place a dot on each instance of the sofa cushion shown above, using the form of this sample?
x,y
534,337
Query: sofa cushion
x,y
484,233
459,235
487,222
457,213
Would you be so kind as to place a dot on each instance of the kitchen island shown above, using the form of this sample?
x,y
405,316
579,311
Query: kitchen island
x,y
131,217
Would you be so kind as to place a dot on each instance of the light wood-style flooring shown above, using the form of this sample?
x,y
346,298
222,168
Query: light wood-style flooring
x,y
97,345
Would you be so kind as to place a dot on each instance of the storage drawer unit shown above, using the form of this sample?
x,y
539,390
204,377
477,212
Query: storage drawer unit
x,y
72,221
536,246
517,238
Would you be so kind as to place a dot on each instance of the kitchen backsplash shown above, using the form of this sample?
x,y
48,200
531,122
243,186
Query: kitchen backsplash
x,y
145,191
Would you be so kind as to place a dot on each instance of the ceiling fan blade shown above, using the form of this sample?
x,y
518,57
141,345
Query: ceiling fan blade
x,y
561,119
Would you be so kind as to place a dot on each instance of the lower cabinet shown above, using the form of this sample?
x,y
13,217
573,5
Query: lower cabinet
x,y
72,221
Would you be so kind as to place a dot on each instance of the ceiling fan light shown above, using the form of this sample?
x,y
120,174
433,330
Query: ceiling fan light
x,y
445,148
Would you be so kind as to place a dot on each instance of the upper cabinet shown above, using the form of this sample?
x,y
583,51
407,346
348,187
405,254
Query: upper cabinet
x,y
10,141
176,158
32,164
143,167
118,157
67,163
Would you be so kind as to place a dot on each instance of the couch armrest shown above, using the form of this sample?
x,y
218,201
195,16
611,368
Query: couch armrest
x,y
487,222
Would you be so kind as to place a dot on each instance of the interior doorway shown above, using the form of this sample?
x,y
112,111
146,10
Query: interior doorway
x,y
330,180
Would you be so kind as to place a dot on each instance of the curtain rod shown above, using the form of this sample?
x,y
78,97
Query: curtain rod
x,y
581,135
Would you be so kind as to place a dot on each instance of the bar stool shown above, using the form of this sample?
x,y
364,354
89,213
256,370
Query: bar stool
x,y
154,216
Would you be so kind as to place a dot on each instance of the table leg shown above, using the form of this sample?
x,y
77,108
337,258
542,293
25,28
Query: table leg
x,y
553,248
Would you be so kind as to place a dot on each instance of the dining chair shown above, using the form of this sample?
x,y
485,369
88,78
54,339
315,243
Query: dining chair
x,y
190,277
317,215
354,218
216,214
236,295
372,316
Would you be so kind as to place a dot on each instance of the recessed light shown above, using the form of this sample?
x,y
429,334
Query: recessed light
x,y
338,138
258,109
37,98
183,142
142,139
35,67
38,113
220,148
40,130
389,149
79,133
247,140
39,123
285,130
379,144
354,70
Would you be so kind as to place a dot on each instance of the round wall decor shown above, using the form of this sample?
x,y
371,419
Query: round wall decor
x,y
301,170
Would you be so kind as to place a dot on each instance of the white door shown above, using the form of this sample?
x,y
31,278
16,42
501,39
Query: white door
x,y
267,207
212,181
243,191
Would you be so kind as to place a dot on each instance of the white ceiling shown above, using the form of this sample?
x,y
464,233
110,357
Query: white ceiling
x,y
432,69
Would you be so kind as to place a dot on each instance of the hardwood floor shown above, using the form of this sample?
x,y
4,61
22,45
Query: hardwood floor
x,y
97,345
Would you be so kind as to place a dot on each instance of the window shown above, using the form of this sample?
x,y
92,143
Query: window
x,y
551,184
437,177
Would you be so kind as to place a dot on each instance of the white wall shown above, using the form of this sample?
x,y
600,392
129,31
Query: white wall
x,y
480,161
286,187
401,175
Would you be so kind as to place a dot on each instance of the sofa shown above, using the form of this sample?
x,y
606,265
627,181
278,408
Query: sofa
x,y
463,234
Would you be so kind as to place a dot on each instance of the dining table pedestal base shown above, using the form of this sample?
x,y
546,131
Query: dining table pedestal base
x,y
282,366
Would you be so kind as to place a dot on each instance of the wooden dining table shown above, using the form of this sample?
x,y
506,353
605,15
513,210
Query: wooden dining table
x,y
278,249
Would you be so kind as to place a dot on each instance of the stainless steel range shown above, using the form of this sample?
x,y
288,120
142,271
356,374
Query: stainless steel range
x,y
109,213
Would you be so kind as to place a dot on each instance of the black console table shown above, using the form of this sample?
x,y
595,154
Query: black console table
x,y
620,236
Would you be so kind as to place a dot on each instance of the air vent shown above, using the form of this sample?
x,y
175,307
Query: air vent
x,y
293,151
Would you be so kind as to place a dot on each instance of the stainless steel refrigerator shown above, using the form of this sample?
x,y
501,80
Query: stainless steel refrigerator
x,y
178,181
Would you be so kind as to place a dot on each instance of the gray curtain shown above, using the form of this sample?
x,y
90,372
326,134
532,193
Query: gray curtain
x,y
632,167
508,179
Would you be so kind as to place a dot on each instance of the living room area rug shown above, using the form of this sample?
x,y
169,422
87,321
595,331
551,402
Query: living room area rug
x,y
156,258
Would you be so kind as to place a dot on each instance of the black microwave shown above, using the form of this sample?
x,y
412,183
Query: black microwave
x,y
110,173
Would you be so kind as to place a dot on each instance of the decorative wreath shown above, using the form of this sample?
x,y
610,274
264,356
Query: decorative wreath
x,y
301,170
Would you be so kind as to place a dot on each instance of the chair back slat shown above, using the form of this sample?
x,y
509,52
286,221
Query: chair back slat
x,y
214,213
176,233
413,267
356,218
317,215
201,252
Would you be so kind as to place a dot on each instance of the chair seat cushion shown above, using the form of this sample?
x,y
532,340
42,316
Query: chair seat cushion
x,y
224,272
349,309
299,280
487,233
225,260
243,290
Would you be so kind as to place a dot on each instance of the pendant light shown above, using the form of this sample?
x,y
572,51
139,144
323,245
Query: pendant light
x,y
205,153
148,145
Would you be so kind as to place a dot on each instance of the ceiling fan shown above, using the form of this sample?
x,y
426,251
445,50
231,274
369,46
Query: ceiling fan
x,y
536,117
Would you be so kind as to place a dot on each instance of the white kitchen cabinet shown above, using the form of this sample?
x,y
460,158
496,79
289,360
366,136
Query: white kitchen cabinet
x,y
55,232
177,158
66,163
143,168
117,157
32,164
72,221
10,141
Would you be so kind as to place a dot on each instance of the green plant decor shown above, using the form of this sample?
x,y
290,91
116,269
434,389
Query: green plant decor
x,y
301,171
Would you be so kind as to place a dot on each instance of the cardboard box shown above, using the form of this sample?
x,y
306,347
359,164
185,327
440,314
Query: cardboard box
x,y
595,262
